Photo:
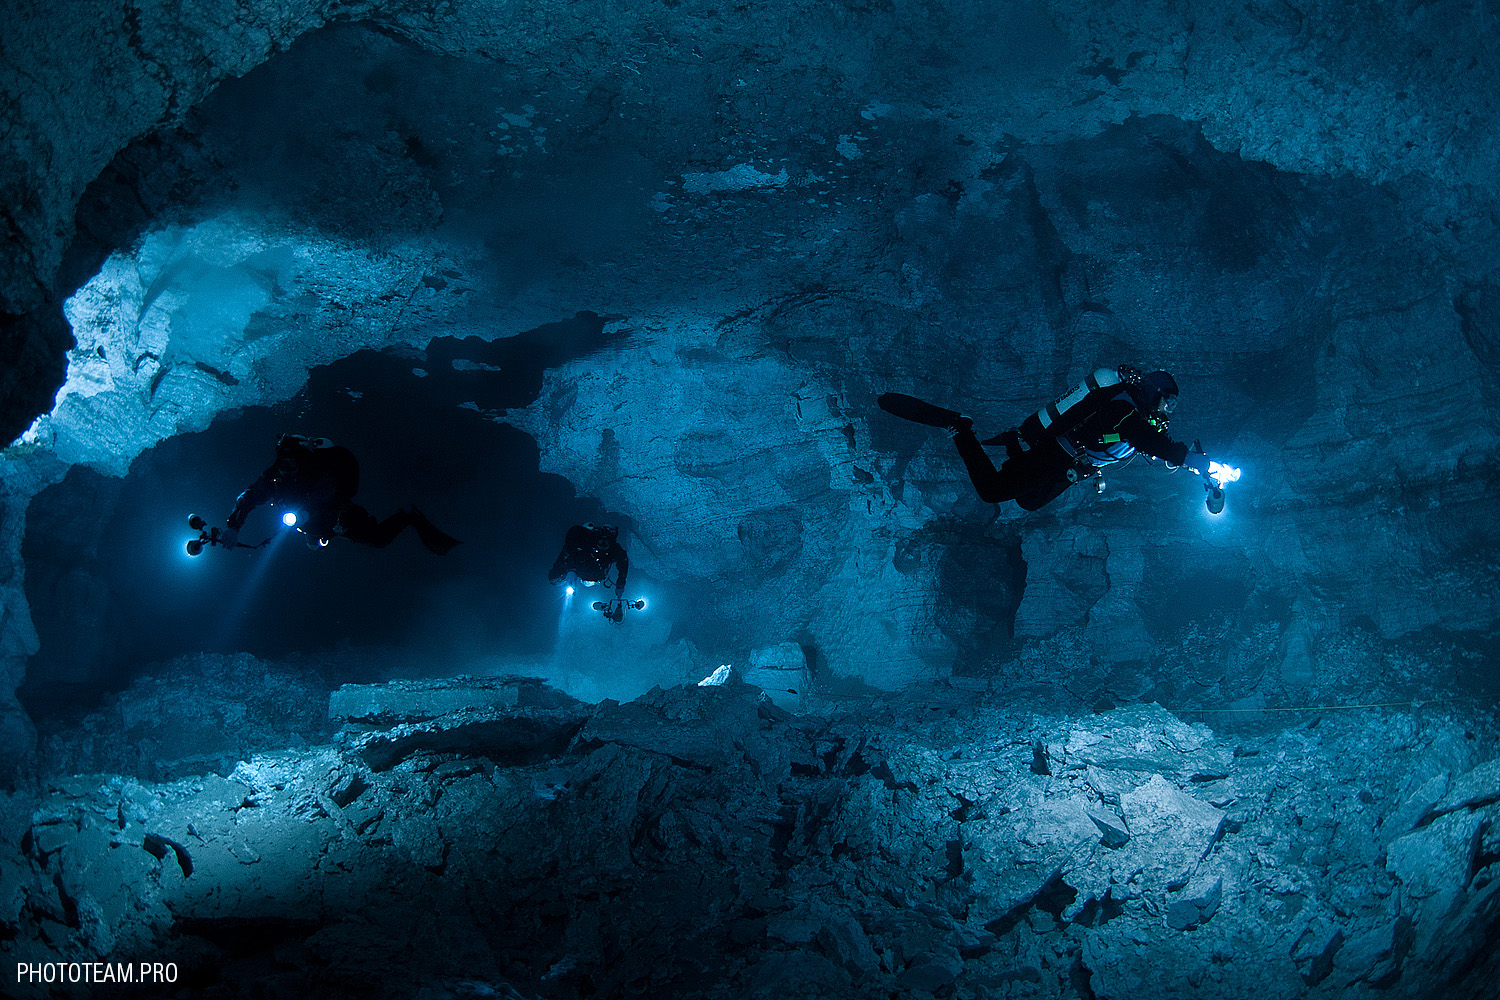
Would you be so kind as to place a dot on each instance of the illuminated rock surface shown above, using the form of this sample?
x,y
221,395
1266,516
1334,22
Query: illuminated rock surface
x,y
701,841
651,265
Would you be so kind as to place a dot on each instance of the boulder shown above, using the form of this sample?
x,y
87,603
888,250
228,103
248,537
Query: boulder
x,y
1170,831
703,726
520,735
1146,738
931,970
796,974
1044,833
405,701
1478,787
1195,904
1113,832
1315,952
1373,953
1404,818
1437,858
833,932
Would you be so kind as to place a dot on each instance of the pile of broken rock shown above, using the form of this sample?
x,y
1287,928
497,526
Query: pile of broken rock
x,y
493,837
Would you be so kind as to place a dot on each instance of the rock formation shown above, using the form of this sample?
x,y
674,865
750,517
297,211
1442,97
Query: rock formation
x,y
494,838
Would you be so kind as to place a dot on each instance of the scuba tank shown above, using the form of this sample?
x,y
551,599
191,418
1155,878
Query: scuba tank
x,y
1063,415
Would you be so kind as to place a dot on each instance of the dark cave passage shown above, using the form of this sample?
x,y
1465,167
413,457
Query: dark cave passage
x,y
112,589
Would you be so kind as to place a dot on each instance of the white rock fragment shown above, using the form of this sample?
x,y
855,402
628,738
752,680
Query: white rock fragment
x,y
718,678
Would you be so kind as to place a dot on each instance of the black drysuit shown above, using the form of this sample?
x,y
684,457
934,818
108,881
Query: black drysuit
x,y
588,552
1105,427
317,479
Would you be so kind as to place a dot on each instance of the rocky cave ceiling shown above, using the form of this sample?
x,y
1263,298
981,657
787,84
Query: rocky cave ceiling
x,y
653,263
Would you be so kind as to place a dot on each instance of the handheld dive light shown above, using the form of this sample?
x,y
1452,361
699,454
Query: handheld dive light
x,y
614,610
210,536
1217,477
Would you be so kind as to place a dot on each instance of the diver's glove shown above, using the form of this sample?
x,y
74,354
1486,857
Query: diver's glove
x,y
229,537
1196,460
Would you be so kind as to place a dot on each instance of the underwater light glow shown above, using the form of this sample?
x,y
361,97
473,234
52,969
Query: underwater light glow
x,y
1223,474
289,518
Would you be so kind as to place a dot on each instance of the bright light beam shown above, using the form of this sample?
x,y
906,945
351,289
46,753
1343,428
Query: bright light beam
x,y
1223,474
249,584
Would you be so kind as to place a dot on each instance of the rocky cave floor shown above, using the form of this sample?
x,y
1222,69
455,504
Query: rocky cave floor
x,y
494,837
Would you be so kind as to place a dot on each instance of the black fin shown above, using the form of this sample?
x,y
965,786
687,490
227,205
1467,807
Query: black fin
x,y
918,410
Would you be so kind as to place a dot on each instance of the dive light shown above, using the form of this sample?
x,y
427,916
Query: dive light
x,y
289,519
1214,482
1223,475
209,536
614,609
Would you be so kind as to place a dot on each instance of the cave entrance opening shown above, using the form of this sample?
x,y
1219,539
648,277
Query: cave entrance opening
x,y
112,589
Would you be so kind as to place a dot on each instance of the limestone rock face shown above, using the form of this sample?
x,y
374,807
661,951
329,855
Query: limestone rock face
x,y
1084,188
79,89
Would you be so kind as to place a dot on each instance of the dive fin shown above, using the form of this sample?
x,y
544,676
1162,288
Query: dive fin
x,y
919,410
437,541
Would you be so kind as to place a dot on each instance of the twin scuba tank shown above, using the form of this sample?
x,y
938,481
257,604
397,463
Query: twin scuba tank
x,y
1060,418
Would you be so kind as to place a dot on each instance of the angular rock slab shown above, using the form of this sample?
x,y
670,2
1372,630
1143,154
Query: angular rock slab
x,y
1405,817
1437,858
516,735
1196,903
1013,856
1170,831
1478,787
833,932
1146,738
704,726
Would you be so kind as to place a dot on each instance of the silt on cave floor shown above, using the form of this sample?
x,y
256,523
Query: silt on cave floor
x,y
652,267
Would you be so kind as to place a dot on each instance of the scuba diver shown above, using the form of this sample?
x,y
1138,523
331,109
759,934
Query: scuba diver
x,y
314,481
1107,418
588,552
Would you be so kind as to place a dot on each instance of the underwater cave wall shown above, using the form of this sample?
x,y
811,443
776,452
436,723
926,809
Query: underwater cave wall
x,y
793,209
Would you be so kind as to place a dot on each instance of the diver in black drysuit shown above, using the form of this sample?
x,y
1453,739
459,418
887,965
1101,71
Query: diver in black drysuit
x,y
1109,424
588,552
316,480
